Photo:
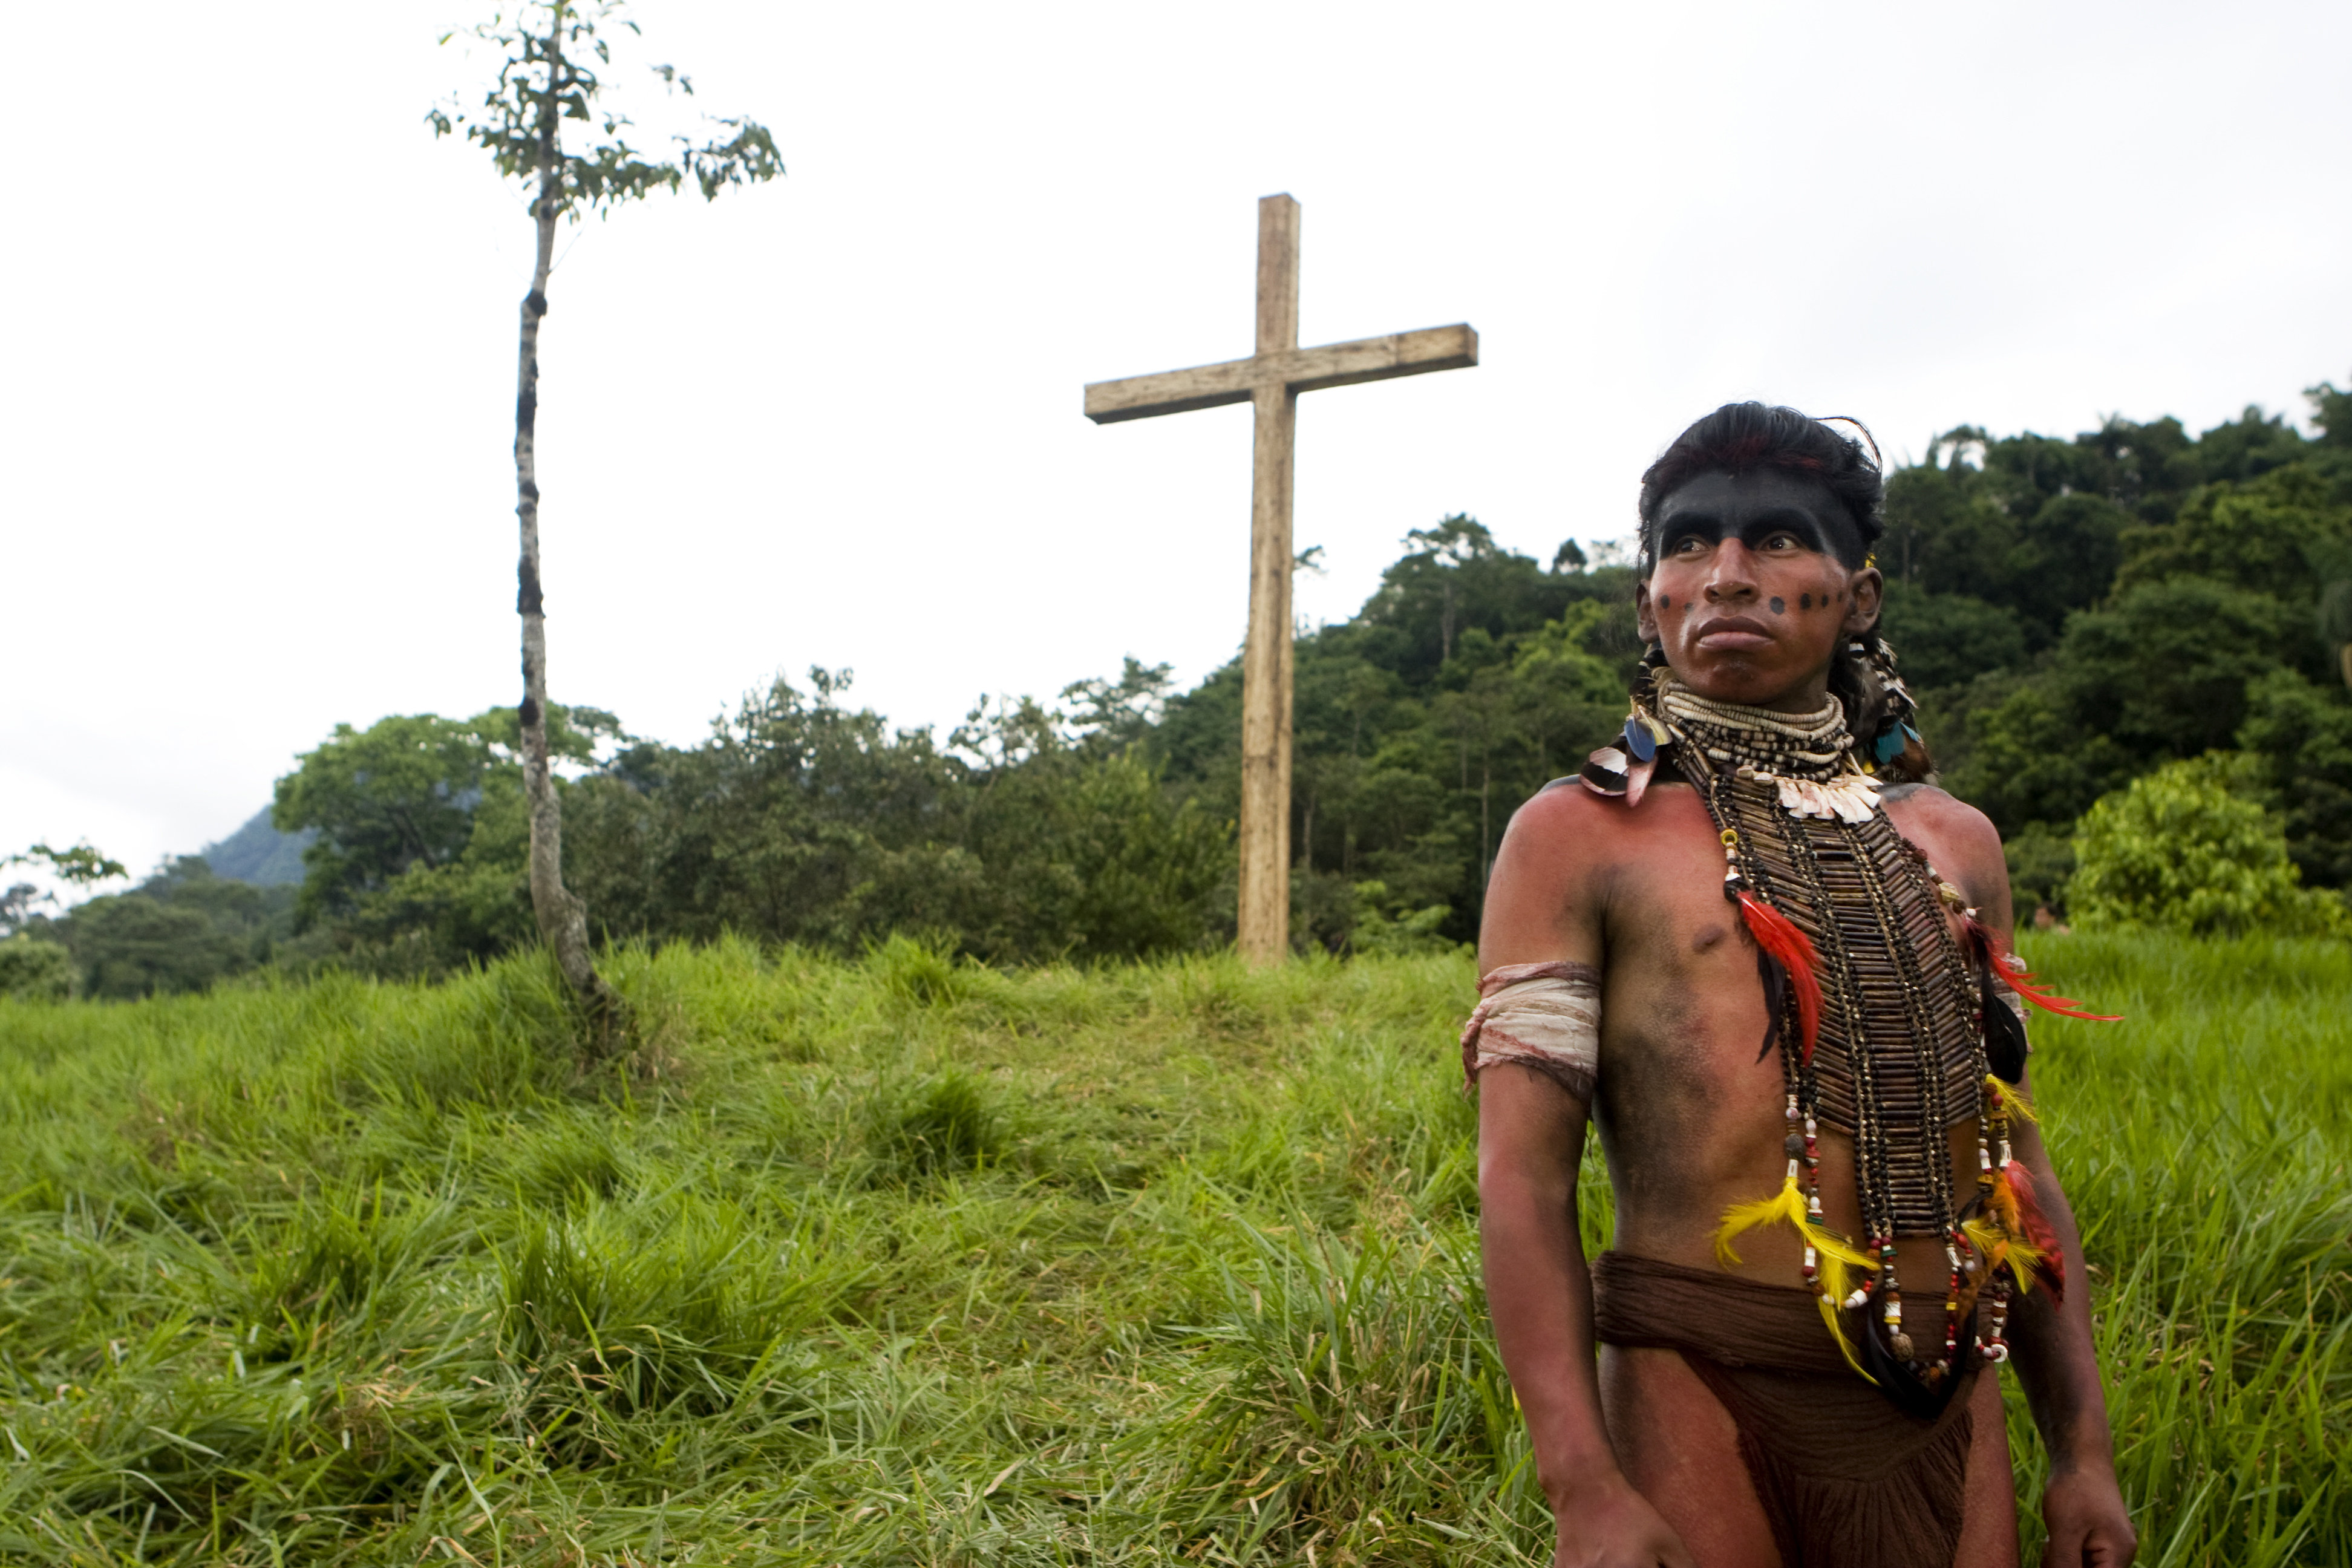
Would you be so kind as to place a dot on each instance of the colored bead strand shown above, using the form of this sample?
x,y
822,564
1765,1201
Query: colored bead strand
x,y
1996,1344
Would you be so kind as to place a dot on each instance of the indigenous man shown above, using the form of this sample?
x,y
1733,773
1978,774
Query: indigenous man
x,y
1771,962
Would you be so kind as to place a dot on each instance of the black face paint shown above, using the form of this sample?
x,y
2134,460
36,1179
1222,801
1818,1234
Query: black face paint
x,y
1780,606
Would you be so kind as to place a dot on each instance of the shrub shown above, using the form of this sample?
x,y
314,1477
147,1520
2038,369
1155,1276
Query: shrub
x,y
2182,849
38,971
1382,927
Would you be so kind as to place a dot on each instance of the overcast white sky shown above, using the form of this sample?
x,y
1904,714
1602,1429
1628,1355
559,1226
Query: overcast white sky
x,y
259,329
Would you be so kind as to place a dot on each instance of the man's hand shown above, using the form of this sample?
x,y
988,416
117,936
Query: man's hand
x,y
2088,1526
1610,1525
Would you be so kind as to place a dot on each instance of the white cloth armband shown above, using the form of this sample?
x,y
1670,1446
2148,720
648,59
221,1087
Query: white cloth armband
x,y
1546,1016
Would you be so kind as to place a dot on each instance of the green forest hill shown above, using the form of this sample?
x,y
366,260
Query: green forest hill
x,y
2075,615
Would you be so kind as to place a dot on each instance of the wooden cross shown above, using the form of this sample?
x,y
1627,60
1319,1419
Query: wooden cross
x,y
1272,379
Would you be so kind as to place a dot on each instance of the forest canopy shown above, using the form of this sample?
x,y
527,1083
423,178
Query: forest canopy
x,y
2074,614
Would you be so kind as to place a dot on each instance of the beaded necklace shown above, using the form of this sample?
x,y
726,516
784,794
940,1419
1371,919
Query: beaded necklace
x,y
1864,974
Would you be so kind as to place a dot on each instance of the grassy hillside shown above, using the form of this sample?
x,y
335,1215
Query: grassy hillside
x,y
902,1262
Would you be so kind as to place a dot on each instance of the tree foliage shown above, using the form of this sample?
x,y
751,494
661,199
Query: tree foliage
x,y
550,56
82,865
181,929
1028,832
416,796
2186,607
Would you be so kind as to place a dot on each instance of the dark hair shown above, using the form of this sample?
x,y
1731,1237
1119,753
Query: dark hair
x,y
1740,436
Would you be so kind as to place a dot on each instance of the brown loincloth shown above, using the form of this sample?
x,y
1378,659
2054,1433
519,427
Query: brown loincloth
x,y
1844,1477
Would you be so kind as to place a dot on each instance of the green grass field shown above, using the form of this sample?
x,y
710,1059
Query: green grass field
x,y
902,1262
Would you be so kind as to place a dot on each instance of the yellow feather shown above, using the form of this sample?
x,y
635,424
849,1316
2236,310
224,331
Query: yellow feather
x,y
1833,1254
1836,1285
1999,1248
1829,1244
2014,1100
1786,1206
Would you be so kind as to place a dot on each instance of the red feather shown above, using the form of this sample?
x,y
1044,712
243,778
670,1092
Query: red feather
x,y
2036,1226
1793,951
2020,979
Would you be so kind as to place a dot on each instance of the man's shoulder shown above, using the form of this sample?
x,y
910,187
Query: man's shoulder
x,y
1566,817
1574,860
1942,812
1961,839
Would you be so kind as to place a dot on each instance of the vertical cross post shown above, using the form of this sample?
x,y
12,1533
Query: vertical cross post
x,y
1270,380
1264,912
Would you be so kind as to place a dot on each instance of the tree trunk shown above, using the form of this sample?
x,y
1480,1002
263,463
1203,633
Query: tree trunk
x,y
562,918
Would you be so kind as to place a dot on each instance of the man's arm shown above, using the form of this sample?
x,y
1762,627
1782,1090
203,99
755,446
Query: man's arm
x,y
1530,1143
2057,1361
1539,1293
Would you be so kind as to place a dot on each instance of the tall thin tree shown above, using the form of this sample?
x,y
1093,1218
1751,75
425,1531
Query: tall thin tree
x,y
549,54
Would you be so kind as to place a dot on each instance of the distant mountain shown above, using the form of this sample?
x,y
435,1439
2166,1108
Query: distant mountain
x,y
259,854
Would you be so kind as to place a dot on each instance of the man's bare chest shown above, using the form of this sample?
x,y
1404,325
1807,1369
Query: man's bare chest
x,y
1683,1013
1699,1034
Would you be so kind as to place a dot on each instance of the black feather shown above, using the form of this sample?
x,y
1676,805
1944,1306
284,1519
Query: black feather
x,y
2005,1045
1776,999
1900,1381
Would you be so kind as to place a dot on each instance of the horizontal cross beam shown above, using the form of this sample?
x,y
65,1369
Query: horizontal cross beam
x,y
1301,370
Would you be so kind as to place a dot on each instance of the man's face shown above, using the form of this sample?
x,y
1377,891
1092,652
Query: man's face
x,y
1749,597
